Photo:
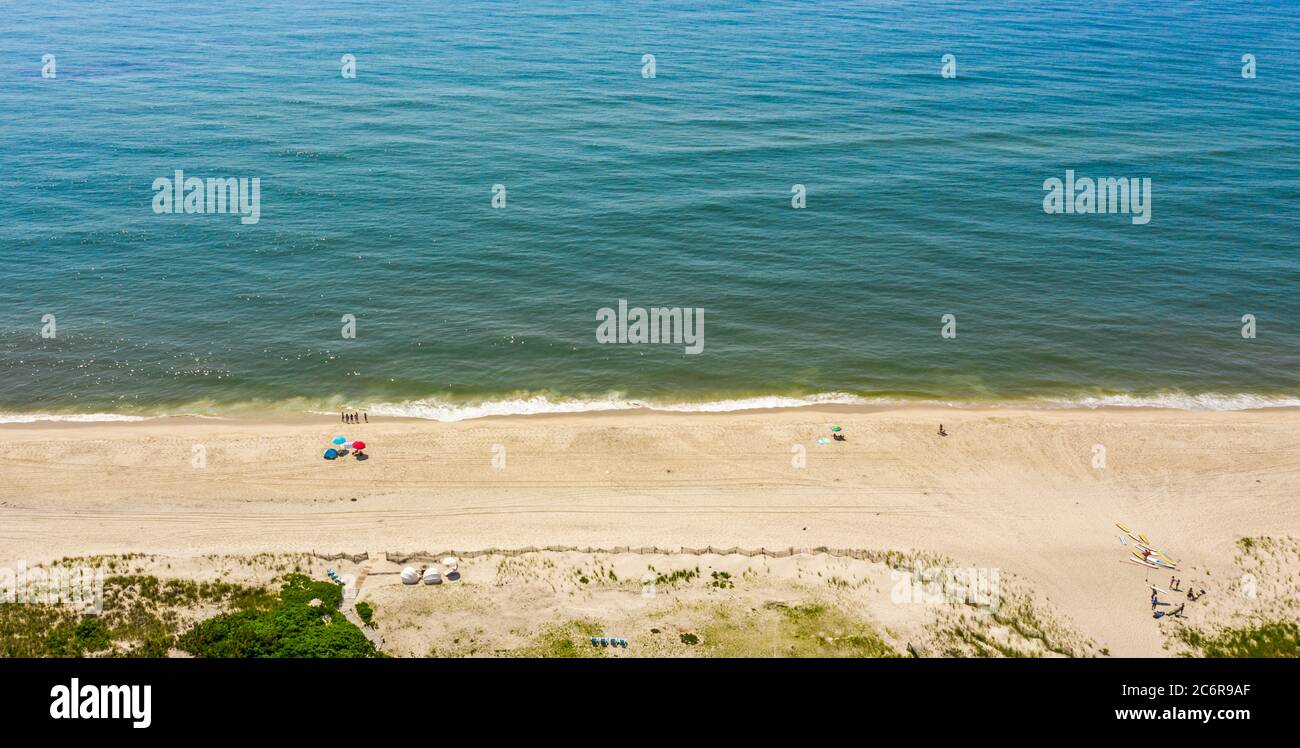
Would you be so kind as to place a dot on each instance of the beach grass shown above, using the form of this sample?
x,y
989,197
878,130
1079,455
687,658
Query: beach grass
x,y
1264,640
142,616
811,629
565,639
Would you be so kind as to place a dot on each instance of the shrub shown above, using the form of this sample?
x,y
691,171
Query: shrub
x,y
367,613
76,639
290,628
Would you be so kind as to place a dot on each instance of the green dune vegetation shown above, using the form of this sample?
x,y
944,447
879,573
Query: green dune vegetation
x,y
1267,639
305,622
144,616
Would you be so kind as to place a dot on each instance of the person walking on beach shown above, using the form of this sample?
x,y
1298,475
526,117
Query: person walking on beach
x,y
365,416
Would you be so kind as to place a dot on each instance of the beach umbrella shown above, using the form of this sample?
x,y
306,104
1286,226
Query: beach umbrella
x,y
331,454
358,445
339,440
835,428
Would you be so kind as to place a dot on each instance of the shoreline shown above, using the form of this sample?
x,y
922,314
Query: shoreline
x,y
1238,404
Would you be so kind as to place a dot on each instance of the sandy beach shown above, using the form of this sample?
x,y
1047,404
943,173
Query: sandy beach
x,y
1034,494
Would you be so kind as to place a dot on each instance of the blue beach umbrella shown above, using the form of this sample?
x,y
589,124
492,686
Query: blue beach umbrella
x,y
331,454
339,440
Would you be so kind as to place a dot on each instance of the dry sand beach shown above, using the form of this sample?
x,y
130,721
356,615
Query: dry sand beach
x,y
1017,491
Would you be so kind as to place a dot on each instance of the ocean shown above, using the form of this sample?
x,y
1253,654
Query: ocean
x,y
437,233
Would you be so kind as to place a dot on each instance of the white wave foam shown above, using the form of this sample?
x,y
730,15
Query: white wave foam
x,y
74,418
540,404
1181,401
774,401
440,411
437,410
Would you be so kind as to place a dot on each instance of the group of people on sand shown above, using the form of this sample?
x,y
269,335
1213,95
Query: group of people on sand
x,y
354,417
1192,595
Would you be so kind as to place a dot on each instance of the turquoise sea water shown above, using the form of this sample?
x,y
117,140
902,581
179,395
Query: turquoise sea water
x,y
924,198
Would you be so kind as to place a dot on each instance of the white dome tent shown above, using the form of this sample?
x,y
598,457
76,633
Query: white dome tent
x,y
410,575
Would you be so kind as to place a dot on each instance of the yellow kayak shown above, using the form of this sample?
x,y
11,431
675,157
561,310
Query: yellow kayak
x,y
1142,542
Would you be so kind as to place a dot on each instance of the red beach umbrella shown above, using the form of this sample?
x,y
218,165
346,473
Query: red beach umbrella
x,y
358,445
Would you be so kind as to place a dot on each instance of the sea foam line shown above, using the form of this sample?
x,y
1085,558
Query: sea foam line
x,y
68,417
438,410
540,404
1180,401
